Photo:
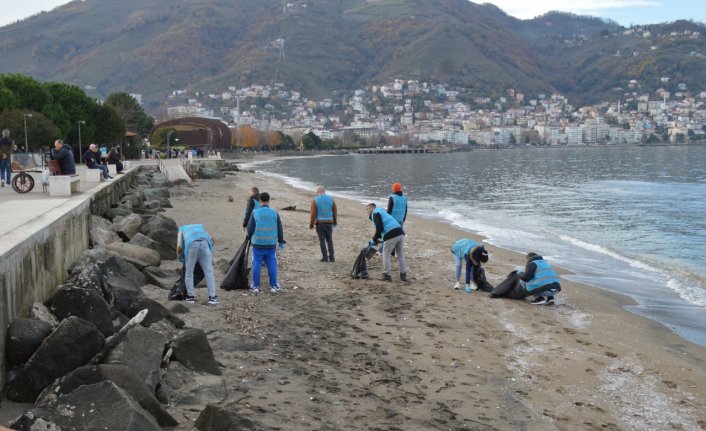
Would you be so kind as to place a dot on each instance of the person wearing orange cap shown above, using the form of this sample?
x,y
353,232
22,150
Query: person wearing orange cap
x,y
397,204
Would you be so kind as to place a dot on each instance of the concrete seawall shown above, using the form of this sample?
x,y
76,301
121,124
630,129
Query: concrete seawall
x,y
34,258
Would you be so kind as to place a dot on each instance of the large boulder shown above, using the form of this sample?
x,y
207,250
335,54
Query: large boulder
x,y
208,172
100,231
72,344
182,387
159,277
155,193
124,376
156,312
114,270
141,350
136,253
144,241
100,406
128,226
41,312
88,304
192,350
134,199
111,213
164,231
159,180
158,203
216,418
24,336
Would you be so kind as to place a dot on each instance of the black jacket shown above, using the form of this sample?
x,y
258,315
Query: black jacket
x,y
65,157
249,208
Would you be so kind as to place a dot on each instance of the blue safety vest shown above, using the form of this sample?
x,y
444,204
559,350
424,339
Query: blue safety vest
x,y
194,232
543,276
388,223
324,208
463,247
265,226
399,207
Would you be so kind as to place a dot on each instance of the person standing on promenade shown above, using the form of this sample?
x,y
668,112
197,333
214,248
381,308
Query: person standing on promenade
x,y
194,244
392,235
540,279
252,204
474,255
397,204
6,146
265,233
63,154
324,215
92,158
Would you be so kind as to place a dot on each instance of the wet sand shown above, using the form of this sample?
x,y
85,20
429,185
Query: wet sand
x,y
334,353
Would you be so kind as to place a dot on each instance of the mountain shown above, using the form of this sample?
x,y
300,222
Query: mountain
x,y
154,47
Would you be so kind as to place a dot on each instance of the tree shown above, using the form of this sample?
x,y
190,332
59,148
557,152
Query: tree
x,y
513,140
41,132
77,106
30,93
680,138
159,137
311,141
248,137
130,112
109,127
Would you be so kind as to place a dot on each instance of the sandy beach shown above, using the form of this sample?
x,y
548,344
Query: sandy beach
x,y
331,352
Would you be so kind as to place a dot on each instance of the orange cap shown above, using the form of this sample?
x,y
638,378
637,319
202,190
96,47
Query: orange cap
x,y
397,187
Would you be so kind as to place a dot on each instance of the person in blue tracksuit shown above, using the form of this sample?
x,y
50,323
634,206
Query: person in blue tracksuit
x,y
474,255
540,279
265,234
324,215
390,232
194,244
397,204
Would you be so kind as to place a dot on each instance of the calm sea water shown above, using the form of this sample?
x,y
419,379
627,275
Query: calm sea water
x,y
630,219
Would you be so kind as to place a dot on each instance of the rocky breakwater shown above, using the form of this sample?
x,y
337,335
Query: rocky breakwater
x,y
100,354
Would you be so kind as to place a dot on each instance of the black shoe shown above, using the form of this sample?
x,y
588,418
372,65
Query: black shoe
x,y
550,301
386,277
331,259
403,276
540,300
323,259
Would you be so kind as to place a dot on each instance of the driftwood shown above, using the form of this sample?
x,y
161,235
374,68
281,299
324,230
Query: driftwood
x,y
289,208
118,337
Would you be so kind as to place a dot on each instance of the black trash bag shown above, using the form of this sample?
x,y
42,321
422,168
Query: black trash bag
x,y
510,288
481,282
178,292
360,265
237,275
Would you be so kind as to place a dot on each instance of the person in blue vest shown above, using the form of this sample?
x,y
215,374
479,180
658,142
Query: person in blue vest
x,y
253,203
265,234
194,244
540,280
390,232
324,216
474,255
397,204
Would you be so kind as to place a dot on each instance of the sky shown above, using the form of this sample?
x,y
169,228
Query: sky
x,y
624,12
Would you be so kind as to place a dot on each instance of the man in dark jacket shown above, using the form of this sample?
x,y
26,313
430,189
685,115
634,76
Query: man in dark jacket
x,y
252,204
65,156
540,280
92,158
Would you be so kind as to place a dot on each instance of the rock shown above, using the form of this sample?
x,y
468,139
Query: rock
x,y
161,278
208,172
116,212
158,203
100,231
181,386
134,199
114,270
165,328
128,226
41,312
88,304
177,307
123,376
100,406
143,241
159,180
23,338
72,344
142,351
192,350
155,193
215,418
136,252
156,313
166,240
180,182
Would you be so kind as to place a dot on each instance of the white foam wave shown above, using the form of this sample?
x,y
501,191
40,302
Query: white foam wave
x,y
607,252
695,296
250,165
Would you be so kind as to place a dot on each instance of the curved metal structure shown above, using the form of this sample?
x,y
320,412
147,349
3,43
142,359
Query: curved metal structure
x,y
204,133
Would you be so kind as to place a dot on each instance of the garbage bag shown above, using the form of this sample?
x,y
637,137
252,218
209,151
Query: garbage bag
x,y
509,288
237,275
360,265
481,282
178,292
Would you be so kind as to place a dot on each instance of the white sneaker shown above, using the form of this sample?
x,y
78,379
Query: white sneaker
x,y
275,289
457,286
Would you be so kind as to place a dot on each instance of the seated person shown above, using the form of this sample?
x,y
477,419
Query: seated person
x,y
92,160
539,280
114,159
474,254
65,156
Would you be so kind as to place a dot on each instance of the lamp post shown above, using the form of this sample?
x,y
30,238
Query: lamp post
x,y
169,136
80,148
26,140
176,140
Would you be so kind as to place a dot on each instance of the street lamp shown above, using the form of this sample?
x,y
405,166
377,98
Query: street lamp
x,y
26,140
80,148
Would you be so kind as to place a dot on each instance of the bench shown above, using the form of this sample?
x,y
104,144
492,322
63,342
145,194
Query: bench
x,y
112,170
63,185
92,175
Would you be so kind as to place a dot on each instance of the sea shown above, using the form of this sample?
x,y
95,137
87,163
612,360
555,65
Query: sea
x,y
630,220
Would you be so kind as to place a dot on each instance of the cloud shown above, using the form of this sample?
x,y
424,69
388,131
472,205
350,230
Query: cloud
x,y
529,9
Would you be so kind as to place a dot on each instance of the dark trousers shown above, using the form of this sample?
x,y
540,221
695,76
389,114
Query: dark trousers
x,y
325,232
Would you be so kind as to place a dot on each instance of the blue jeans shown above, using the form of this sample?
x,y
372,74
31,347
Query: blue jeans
x,y
269,255
103,168
5,170
201,253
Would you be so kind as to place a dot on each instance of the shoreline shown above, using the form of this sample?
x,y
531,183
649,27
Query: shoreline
x,y
585,360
